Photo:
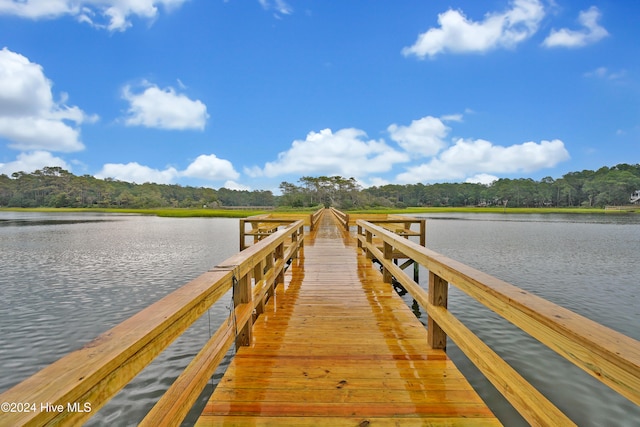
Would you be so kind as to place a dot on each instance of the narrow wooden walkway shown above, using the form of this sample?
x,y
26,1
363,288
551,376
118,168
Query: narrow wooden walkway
x,y
338,347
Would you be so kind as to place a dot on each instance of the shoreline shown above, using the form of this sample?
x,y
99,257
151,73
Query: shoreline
x,y
232,213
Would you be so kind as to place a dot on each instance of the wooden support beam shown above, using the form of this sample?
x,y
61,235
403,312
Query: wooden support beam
x,y
258,275
242,235
387,253
438,297
369,237
279,256
242,295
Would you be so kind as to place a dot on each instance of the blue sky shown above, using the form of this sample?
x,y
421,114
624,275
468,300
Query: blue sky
x,y
249,93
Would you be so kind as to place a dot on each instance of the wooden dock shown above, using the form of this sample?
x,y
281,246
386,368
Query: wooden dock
x,y
323,339
338,347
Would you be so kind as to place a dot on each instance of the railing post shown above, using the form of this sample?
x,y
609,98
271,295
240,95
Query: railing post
x,y
369,237
423,232
437,296
388,253
242,295
255,228
346,222
279,255
258,275
301,235
268,265
242,236
359,231
294,241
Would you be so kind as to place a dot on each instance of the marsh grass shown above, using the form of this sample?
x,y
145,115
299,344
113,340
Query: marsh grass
x,y
162,212
473,209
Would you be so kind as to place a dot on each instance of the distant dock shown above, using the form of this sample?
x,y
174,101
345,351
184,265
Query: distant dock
x,y
625,208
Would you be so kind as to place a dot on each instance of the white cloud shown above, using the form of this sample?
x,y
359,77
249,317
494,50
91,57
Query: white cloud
x,y
457,34
281,7
232,185
605,73
207,167
29,117
135,172
451,118
472,157
591,33
345,152
29,162
423,137
373,182
212,168
164,109
113,15
482,178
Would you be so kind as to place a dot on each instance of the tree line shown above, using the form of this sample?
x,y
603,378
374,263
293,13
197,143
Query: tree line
x,y
606,186
56,187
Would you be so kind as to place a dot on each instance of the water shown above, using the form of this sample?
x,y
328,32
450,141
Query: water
x,y
586,263
66,278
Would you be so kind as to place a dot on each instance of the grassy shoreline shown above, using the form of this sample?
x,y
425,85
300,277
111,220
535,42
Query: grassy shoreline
x,y
481,210
230,213
161,212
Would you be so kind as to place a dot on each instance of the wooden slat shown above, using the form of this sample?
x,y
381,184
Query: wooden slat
x,y
337,346
353,421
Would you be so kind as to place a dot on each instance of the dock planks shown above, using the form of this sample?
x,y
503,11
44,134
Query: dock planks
x,y
337,346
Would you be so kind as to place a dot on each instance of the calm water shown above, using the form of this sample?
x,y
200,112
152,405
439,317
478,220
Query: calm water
x,y
65,278
586,263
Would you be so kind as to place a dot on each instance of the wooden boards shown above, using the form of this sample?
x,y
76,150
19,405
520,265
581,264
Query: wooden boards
x,y
337,346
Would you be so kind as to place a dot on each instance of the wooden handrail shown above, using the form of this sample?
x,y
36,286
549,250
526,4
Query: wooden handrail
x,y
96,372
262,226
607,355
315,217
343,218
399,224
266,224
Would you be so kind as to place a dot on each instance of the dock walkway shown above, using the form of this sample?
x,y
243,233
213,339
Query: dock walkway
x,y
337,346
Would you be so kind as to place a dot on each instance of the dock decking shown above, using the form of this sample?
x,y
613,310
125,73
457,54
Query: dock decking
x,y
337,346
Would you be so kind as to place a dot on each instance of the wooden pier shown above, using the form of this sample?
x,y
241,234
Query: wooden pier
x,y
338,347
321,338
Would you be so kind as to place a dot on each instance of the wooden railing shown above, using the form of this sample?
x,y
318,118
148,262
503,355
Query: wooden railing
x,y
95,373
262,226
398,224
609,356
343,218
315,217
